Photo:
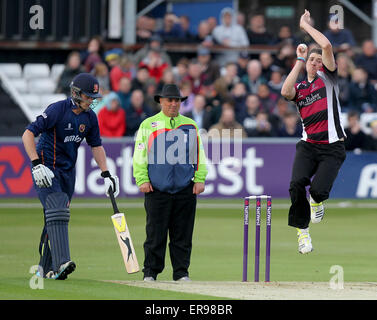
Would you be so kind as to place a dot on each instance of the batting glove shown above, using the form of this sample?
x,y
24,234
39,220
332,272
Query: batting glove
x,y
42,175
110,181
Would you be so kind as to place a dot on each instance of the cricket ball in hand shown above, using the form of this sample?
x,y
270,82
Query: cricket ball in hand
x,y
303,47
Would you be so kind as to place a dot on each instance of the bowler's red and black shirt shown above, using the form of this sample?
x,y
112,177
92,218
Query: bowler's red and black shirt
x,y
318,104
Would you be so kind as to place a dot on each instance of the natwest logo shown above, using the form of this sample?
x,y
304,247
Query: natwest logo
x,y
230,175
15,174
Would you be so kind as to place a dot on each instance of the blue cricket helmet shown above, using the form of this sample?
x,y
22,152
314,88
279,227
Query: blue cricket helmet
x,y
87,84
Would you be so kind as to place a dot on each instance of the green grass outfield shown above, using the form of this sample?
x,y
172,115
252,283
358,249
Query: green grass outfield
x,y
347,237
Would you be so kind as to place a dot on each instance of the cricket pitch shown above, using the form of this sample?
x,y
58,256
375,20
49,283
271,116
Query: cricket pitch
x,y
266,291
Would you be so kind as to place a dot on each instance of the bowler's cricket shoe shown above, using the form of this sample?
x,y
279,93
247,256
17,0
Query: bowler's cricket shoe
x,y
317,211
304,241
64,270
184,279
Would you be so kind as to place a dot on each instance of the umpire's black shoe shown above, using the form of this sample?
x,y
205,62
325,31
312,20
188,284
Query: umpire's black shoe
x,y
64,270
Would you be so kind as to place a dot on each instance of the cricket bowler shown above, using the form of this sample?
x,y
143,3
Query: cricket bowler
x,y
320,152
62,127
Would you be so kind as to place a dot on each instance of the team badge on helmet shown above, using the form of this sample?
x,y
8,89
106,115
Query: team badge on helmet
x,y
84,83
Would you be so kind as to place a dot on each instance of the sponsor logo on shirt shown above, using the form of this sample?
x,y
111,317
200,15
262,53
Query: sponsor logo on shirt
x,y
73,138
309,100
69,127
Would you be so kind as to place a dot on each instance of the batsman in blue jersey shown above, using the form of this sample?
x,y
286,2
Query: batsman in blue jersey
x,y
62,127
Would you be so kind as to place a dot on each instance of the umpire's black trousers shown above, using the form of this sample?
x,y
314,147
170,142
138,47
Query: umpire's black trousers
x,y
173,215
322,161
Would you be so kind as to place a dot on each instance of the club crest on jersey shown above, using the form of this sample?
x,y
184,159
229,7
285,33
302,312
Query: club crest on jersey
x,y
82,128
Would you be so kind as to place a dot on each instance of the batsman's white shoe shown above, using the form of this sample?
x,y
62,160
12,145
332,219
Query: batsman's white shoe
x,y
51,275
317,211
149,279
304,241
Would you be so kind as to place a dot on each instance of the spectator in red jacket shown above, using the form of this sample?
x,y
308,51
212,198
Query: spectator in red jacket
x,y
154,63
194,76
112,118
124,68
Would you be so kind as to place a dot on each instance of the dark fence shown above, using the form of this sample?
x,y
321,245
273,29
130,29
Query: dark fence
x,y
63,20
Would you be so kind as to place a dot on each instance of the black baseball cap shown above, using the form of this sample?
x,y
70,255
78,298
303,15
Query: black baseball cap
x,y
87,84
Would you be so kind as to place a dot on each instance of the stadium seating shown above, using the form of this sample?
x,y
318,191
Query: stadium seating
x,y
20,85
13,121
365,120
41,86
32,100
38,102
36,70
35,83
11,70
56,71
47,99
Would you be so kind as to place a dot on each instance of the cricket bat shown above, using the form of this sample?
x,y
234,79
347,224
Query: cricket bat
x,y
124,238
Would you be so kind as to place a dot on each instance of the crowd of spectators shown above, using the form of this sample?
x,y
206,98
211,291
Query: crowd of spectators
x,y
230,90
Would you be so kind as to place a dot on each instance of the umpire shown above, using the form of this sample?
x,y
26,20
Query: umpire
x,y
169,166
